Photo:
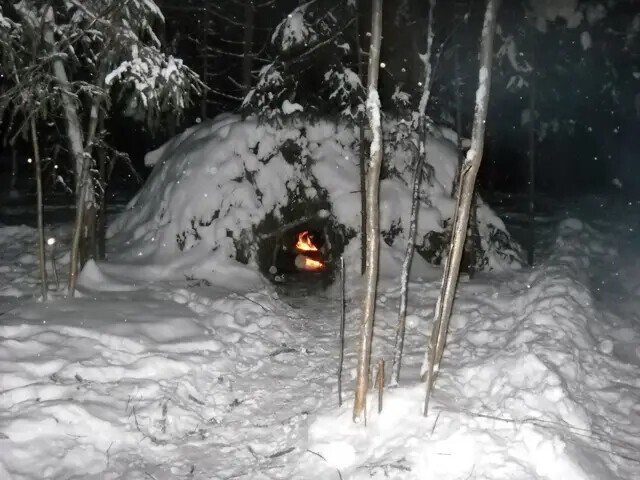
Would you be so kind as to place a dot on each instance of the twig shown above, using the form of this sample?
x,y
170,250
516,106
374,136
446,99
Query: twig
x,y
342,325
320,456
283,349
433,429
109,454
380,383
163,422
408,257
282,452
197,400
135,418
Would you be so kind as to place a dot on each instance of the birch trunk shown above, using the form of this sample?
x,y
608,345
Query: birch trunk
x,y
404,282
362,155
373,212
72,120
41,248
468,175
84,189
422,151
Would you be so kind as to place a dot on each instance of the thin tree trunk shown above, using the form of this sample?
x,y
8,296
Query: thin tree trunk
x,y
468,175
532,165
78,227
205,62
404,280
247,45
84,193
14,169
422,152
72,120
88,241
41,242
101,216
373,212
458,106
342,325
363,201
426,88
362,154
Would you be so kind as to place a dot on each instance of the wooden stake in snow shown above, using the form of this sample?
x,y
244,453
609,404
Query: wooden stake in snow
x,y
373,213
342,323
380,383
41,248
468,174
411,241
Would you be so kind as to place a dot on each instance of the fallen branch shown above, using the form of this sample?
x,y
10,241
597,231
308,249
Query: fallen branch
x,y
320,456
380,383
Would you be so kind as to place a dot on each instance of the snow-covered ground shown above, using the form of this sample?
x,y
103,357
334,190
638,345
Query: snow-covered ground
x,y
143,380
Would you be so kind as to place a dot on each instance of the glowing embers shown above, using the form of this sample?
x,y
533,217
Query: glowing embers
x,y
307,259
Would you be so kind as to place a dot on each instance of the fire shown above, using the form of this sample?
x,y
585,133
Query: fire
x,y
305,244
305,263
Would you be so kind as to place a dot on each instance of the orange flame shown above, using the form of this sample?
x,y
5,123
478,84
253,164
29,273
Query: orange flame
x,y
305,244
311,264
305,263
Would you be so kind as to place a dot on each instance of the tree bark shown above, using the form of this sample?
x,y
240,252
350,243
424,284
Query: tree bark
x,y
406,267
72,120
101,217
373,212
88,240
41,242
422,152
362,154
84,190
468,175
532,162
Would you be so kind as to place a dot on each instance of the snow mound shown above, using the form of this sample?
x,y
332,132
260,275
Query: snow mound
x,y
215,183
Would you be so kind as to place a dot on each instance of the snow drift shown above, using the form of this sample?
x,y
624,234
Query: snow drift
x,y
221,186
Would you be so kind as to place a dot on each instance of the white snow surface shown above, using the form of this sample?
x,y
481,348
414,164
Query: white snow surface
x,y
138,379
200,182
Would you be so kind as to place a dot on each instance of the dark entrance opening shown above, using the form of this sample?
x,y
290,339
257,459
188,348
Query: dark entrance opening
x,y
305,252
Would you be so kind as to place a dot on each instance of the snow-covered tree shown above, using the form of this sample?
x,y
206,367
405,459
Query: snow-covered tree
x,y
90,55
310,69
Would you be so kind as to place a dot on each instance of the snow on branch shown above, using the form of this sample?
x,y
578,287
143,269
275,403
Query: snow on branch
x,y
294,30
153,83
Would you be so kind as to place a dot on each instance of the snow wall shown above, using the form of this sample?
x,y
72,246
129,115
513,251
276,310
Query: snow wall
x,y
220,186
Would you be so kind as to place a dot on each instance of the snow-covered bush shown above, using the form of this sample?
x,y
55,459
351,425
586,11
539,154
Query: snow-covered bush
x,y
215,187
